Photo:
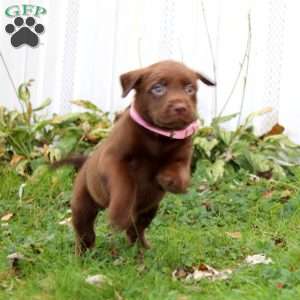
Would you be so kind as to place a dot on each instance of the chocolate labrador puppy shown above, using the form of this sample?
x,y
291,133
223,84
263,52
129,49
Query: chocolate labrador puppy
x,y
147,153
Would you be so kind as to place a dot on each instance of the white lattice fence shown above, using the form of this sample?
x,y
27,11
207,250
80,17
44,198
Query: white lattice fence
x,y
88,44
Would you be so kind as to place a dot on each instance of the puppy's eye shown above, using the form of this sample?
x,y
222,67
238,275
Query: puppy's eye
x,y
189,89
158,89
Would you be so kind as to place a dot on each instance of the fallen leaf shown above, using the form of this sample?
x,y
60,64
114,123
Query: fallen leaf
x,y
254,178
7,217
206,271
14,260
285,195
203,271
118,296
265,174
203,187
98,280
15,256
182,297
15,159
21,191
234,235
207,205
276,129
280,242
182,272
67,221
258,259
268,194
280,285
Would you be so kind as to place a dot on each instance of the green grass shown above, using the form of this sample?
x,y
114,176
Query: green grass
x,y
188,230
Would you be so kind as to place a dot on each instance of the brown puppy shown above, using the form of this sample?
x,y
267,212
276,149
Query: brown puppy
x,y
131,171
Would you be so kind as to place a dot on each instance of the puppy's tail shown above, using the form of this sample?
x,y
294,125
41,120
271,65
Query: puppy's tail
x,y
75,161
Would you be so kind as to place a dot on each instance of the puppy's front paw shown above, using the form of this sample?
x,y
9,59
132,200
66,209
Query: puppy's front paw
x,y
173,184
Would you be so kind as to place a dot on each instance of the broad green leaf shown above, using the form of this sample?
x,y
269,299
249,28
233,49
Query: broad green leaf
x,y
24,92
206,144
98,133
40,125
255,114
43,105
277,171
86,104
224,135
258,162
22,167
54,154
67,143
215,172
223,119
65,118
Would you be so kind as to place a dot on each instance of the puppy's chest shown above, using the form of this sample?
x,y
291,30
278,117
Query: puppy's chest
x,y
144,166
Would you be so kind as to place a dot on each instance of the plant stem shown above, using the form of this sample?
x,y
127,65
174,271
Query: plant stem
x,y
9,75
11,81
212,57
236,79
247,70
140,51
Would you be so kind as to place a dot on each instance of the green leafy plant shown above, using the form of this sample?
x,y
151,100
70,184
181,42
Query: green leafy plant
x,y
218,151
28,139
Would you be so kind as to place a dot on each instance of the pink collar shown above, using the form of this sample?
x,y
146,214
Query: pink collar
x,y
174,134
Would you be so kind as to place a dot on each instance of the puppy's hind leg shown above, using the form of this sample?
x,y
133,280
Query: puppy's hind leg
x,y
84,212
136,232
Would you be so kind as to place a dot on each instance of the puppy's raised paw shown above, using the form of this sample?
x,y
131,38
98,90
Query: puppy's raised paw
x,y
173,183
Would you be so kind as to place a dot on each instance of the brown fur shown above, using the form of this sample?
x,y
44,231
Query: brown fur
x,y
131,171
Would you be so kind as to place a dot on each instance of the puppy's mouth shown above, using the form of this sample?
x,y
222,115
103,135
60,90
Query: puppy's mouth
x,y
175,123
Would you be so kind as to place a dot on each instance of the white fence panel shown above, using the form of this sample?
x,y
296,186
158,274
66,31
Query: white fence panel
x,y
88,44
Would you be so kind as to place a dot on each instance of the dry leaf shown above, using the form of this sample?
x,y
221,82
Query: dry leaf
x,y
285,195
207,205
203,271
14,260
7,217
118,296
267,194
67,221
206,271
203,187
182,272
15,159
280,242
280,285
265,174
15,256
234,235
258,259
21,191
98,280
182,297
276,129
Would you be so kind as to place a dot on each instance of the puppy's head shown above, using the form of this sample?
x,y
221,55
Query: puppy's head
x,y
165,93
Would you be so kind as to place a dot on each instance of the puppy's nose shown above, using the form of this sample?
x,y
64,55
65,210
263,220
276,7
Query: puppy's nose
x,y
179,108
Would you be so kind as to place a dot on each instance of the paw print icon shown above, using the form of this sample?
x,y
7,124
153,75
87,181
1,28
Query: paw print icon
x,y
24,32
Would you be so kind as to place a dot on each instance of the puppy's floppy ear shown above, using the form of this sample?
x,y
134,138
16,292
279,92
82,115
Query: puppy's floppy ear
x,y
205,79
130,80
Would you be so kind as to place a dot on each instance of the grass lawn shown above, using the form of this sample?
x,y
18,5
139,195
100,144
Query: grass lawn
x,y
189,229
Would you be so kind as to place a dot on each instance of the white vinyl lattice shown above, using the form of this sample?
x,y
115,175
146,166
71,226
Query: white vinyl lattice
x,y
88,44
274,60
168,39
69,56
